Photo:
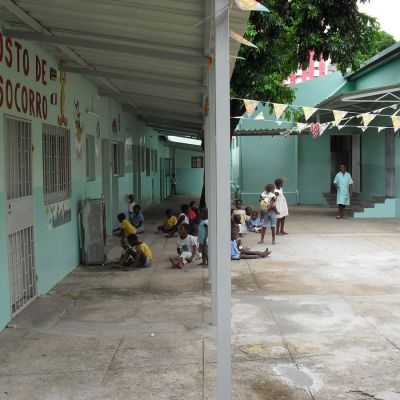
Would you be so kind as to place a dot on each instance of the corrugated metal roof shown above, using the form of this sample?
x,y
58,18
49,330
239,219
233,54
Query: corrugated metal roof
x,y
150,56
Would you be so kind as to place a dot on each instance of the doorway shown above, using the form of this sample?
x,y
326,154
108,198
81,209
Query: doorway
x,y
346,149
18,177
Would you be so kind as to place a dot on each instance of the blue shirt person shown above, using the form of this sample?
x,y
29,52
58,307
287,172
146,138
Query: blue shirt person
x,y
137,219
344,185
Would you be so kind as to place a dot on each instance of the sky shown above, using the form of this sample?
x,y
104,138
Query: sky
x,y
387,13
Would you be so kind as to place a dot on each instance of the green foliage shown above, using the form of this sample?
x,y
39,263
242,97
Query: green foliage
x,y
284,37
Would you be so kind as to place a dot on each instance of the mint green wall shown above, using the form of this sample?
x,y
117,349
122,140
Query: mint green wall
x,y
57,250
385,75
189,180
263,160
314,168
373,164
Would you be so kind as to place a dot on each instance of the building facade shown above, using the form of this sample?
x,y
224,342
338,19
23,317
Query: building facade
x,y
61,142
261,154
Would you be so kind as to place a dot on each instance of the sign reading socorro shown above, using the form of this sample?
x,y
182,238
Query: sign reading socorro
x,y
15,95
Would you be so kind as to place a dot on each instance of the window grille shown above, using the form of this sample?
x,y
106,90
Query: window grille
x,y
90,158
197,162
117,158
56,163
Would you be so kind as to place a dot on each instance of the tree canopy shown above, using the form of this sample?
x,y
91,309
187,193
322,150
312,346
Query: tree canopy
x,y
285,36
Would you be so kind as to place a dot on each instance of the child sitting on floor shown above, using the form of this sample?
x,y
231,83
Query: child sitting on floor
x,y
182,219
137,219
242,213
186,247
125,228
244,253
144,255
168,222
254,222
127,257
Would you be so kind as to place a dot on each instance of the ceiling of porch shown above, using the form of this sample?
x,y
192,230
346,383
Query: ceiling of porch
x,y
150,56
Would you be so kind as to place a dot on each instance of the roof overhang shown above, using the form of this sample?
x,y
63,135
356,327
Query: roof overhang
x,y
362,101
150,57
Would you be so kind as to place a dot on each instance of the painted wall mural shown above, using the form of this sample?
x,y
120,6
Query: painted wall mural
x,y
62,119
58,214
79,130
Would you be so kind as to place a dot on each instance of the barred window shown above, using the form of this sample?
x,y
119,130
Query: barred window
x,y
56,163
118,161
197,162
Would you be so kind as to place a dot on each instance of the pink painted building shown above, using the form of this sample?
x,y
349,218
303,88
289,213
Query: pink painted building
x,y
315,69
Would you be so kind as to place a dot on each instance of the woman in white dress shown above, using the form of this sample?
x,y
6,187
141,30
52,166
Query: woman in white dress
x,y
281,206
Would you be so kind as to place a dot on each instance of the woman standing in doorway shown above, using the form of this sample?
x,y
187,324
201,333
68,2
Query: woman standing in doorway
x,y
282,207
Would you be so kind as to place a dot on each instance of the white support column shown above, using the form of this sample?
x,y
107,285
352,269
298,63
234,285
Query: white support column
x,y
222,195
212,200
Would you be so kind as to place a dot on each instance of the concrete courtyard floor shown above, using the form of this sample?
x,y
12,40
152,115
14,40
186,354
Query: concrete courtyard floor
x,y
319,319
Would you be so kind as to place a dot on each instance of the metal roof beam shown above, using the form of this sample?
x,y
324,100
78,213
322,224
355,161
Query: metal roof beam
x,y
146,79
33,24
104,44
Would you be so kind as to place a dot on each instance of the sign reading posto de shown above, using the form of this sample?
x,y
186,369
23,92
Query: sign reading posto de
x,y
13,94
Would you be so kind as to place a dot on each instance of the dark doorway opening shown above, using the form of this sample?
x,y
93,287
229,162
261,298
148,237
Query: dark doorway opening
x,y
346,149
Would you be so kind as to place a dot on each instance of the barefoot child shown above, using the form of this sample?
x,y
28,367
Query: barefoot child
x,y
127,257
186,247
144,255
245,253
281,206
268,205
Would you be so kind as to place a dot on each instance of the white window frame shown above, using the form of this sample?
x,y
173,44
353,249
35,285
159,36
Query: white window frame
x,y
56,144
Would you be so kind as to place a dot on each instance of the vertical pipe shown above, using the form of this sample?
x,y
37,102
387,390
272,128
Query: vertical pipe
x,y
222,194
296,163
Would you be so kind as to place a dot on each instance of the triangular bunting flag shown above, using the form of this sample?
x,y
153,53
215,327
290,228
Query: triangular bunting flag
x,y
339,115
315,129
396,122
250,105
367,118
394,106
363,128
235,36
309,111
260,116
279,109
251,5
279,122
301,126
322,128
380,129
340,127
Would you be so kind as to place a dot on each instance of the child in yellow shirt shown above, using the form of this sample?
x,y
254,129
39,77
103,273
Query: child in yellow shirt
x,y
168,223
144,255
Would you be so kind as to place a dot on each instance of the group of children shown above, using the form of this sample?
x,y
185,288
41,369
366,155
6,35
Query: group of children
x,y
192,229
191,226
274,211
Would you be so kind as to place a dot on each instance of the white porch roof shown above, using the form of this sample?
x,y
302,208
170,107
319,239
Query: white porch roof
x,y
148,55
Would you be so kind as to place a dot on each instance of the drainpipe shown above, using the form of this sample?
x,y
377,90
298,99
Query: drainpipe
x,y
296,160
